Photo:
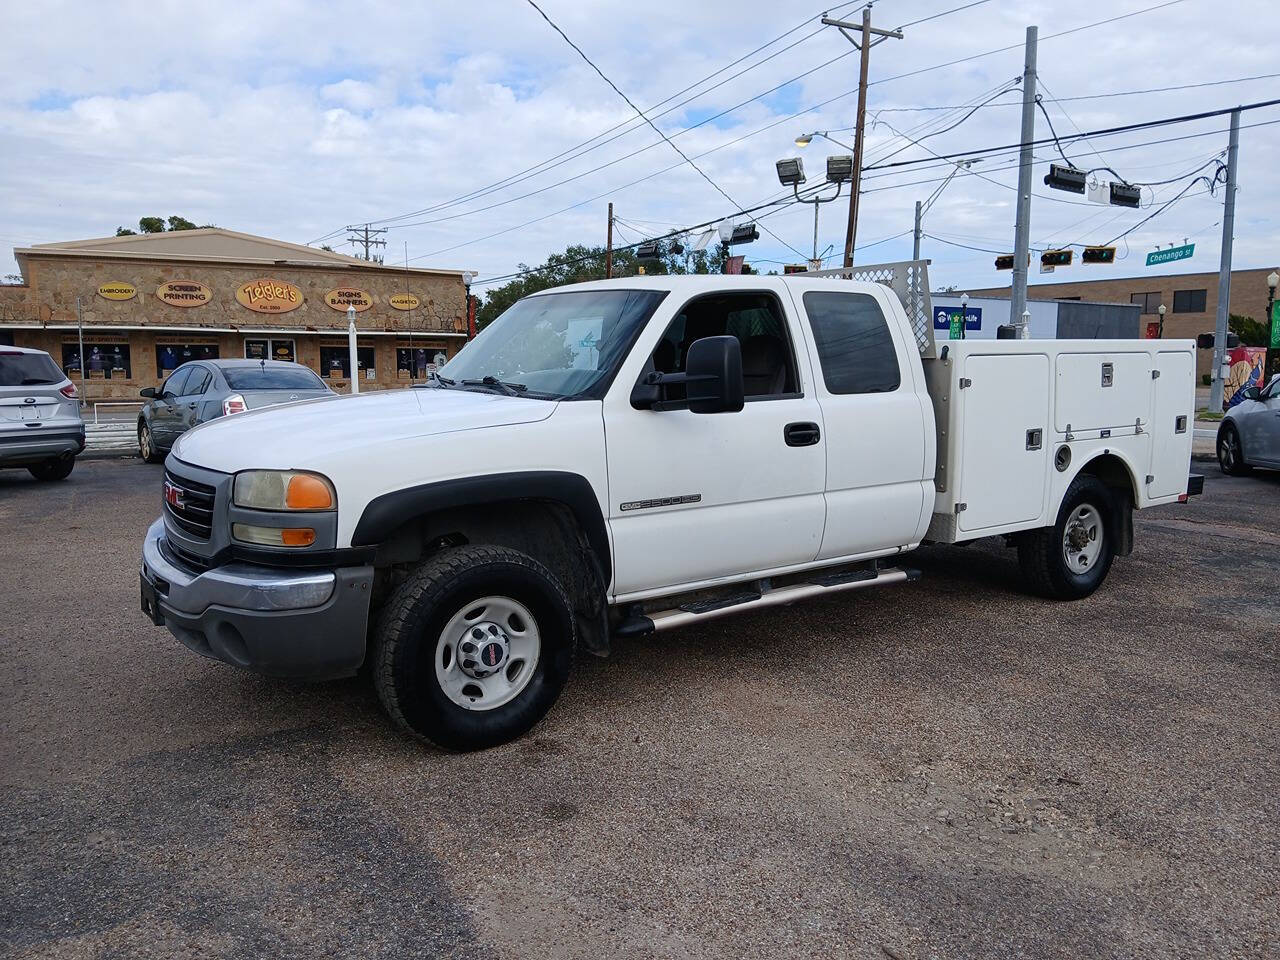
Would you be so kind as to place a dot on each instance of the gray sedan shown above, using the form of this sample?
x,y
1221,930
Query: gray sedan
x,y
1250,432
206,389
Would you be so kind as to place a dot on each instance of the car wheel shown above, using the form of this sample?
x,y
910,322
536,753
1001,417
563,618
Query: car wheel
x,y
58,469
1231,451
147,445
474,647
1069,560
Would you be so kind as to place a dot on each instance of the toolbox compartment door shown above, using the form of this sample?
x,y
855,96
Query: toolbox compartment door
x,y
1102,391
1003,469
1172,423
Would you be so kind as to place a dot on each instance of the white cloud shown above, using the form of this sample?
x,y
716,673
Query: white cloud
x,y
291,119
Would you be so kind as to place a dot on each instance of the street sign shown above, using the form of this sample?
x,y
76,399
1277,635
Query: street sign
x,y
1157,257
948,318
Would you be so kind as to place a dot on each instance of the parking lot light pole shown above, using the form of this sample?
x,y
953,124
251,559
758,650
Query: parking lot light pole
x,y
1272,325
351,350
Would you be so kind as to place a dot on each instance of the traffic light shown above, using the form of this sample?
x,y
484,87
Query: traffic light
x,y
1098,255
1004,261
1056,258
744,234
647,250
1067,178
1123,195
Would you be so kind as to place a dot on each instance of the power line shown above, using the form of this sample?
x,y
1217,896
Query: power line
x,y
656,129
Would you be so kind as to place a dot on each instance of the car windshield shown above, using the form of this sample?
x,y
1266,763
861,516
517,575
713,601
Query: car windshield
x,y
555,345
27,369
272,378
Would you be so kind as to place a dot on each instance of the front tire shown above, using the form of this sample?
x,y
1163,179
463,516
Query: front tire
x,y
1231,451
474,647
147,444
1069,560
53,469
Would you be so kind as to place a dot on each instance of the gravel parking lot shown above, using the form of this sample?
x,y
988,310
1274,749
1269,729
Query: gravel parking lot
x,y
943,769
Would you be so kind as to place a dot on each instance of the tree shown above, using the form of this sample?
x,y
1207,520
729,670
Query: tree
x,y
157,225
580,263
1250,331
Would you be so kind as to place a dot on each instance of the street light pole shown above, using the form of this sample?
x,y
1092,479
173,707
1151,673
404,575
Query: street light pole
x,y
1272,326
351,350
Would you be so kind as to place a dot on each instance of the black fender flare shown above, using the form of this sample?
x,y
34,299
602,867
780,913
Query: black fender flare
x,y
385,513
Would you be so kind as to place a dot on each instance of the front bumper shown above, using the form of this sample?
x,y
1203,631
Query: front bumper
x,y
304,623
39,443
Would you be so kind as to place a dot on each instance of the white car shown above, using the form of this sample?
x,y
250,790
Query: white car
x,y
1249,435
620,457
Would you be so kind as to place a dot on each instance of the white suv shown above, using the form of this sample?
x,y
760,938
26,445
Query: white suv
x,y
40,423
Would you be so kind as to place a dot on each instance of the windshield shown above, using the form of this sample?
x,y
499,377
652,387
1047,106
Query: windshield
x,y
272,378
27,369
557,345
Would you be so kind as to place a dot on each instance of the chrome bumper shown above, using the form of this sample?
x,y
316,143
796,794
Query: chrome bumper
x,y
239,585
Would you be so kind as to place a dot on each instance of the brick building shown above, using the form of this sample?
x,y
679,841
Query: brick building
x,y
152,301
1190,299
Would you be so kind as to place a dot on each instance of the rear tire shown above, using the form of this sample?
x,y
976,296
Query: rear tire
x,y
53,469
431,678
1231,451
147,444
1069,560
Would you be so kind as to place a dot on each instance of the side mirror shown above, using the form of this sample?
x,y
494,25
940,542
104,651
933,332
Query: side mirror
x,y
148,392
713,375
1252,393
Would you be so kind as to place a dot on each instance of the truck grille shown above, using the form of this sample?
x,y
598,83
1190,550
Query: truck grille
x,y
189,504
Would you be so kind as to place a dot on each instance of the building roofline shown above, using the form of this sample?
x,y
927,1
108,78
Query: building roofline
x,y
118,248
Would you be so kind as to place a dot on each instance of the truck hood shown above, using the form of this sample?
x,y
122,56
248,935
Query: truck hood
x,y
313,432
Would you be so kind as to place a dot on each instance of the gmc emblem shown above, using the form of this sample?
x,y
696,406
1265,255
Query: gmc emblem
x,y
172,495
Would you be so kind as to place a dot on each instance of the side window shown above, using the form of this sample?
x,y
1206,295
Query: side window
x,y
177,384
768,361
855,347
199,381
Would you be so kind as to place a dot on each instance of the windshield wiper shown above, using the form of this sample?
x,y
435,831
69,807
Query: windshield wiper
x,y
502,386
445,380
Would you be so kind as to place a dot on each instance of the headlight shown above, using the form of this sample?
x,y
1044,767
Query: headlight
x,y
283,490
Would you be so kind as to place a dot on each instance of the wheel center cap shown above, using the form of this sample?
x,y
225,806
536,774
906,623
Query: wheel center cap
x,y
483,650
1079,537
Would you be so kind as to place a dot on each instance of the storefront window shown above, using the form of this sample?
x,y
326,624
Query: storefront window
x,y
170,356
334,360
105,361
415,363
269,349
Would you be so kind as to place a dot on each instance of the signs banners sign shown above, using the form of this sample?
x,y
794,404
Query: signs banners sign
x,y
117,290
184,293
403,301
343,297
1157,257
269,296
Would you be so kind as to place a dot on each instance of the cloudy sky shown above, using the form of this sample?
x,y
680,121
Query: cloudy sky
x,y
483,140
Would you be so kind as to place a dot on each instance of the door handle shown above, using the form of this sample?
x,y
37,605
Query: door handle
x,y
802,434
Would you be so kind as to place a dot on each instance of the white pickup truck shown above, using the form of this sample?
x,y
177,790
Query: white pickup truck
x,y
619,457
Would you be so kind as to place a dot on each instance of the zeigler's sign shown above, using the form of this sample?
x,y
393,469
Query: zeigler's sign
x,y
403,301
343,297
269,296
184,293
117,290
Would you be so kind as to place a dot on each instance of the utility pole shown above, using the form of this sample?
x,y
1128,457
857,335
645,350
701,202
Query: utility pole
x,y
915,245
367,237
608,249
864,45
1022,225
1224,267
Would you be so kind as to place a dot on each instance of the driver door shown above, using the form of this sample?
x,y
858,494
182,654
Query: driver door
x,y
165,413
697,498
1260,427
